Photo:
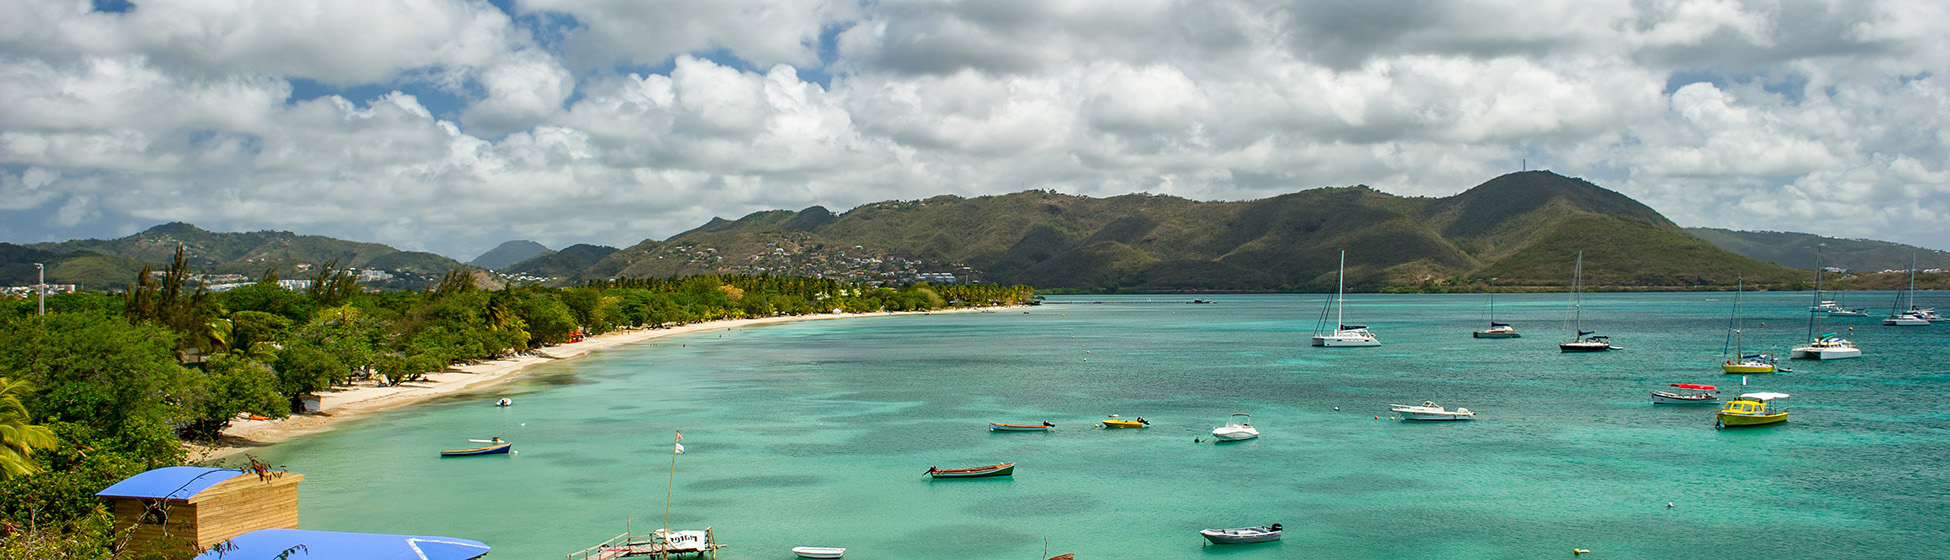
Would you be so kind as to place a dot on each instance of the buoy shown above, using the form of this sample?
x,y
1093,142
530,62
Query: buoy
x,y
1377,417
1337,408
1668,504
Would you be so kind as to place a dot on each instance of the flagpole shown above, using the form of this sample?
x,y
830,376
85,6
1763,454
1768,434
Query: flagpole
x,y
673,481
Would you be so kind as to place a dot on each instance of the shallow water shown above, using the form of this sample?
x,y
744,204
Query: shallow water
x,y
817,433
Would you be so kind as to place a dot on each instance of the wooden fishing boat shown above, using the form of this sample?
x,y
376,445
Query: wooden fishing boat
x,y
1690,394
496,449
1243,535
1753,409
1001,427
1115,422
1005,469
818,552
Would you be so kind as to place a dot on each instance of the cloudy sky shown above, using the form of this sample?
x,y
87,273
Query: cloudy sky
x,y
453,125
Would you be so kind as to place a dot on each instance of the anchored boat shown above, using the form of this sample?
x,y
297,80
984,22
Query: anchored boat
x,y
1001,427
1005,469
1688,393
1430,411
1753,409
1243,535
1237,428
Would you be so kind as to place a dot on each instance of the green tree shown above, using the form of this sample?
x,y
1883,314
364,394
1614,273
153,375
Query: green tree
x,y
103,372
18,438
234,384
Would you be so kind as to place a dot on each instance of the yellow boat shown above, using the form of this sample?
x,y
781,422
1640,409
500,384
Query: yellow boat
x,y
1115,422
1751,363
1753,409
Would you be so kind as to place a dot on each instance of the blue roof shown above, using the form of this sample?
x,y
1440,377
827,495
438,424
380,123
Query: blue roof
x,y
267,544
177,483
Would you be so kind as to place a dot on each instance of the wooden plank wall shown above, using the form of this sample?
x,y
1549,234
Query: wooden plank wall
x,y
244,504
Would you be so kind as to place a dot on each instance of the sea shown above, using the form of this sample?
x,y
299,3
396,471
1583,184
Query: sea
x,y
818,433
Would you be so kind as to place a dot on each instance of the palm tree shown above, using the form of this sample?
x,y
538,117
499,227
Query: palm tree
x,y
18,439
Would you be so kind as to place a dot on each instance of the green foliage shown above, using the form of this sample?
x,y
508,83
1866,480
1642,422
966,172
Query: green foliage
x,y
268,297
303,368
333,285
101,371
18,437
234,384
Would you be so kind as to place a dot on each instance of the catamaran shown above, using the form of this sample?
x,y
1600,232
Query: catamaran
x,y
1828,346
1496,330
1343,333
1734,359
1584,341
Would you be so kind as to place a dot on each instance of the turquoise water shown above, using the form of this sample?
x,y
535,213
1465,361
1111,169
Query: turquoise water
x,y
817,433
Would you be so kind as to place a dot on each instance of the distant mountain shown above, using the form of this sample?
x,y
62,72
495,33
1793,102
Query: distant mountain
x,y
114,263
1798,250
1523,228
507,254
569,262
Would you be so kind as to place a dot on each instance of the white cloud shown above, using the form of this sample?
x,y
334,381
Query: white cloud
x,y
1814,116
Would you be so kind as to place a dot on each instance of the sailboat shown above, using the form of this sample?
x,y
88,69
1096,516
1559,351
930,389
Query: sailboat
x,y
1496,330
1734,358
1828,346
1584,341
663,542
1343,334
1911,317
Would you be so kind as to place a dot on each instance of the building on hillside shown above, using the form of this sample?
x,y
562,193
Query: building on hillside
x,y
935,277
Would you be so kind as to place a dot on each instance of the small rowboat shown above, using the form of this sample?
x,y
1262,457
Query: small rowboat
x,y
1001,427
818,552
1122,423
498,449
1243,535
1005,469
1694,394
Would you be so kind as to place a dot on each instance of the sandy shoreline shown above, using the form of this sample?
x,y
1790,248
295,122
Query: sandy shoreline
x,y
344,403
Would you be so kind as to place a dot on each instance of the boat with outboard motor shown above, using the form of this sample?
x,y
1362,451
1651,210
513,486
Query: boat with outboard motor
x,y
1428,411
1689,393
1243,535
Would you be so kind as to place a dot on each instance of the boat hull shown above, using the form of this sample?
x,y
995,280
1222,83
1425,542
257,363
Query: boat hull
x,y
1234,434
1806,353
1239,536
489,450
1583,347
999,427
818,552
1742,420
1347,341
1005,469
1906,321
1662,397
1496,334
1436,417
1123,424
1747,368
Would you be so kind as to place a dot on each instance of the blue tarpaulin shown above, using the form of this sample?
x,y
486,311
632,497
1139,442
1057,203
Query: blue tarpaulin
x,y
267,544
176,483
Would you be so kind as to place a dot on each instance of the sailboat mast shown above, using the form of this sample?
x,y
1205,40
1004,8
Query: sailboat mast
x,y
1812,309
1492,302
1733,321
1340,297
1577,307
672,488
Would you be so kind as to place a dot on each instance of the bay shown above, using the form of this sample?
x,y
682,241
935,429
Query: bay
x,y
817,433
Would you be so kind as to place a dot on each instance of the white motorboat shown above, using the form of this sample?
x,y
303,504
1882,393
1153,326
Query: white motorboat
x,y
1343,334
818,552
1906,319
1689,393
1243,535
1828,346
1428,410
1237,428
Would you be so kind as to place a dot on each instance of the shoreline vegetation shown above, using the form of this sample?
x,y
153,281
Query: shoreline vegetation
x,y
346,403
105,386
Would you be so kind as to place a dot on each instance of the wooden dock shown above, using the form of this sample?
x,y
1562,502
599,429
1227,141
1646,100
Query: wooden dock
x,y
654,545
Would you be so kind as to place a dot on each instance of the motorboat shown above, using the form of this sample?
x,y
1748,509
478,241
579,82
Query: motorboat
x,y
1928,313
1828,346
1687,393
1584,341
1428,410
1753,409
1906,319
1826,306
1243,535
1005,469
1496,330
1856,312
1001,427
1115,422
1343,334
818,552
1237,428
504,402
497,448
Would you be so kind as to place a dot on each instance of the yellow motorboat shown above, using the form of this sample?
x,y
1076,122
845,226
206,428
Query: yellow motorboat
x,y
1753,409
1750,363
1115,422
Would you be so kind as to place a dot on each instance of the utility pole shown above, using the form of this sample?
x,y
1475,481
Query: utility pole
x,y
41,288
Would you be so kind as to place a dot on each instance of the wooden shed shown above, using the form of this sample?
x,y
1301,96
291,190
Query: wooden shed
x,y
203,506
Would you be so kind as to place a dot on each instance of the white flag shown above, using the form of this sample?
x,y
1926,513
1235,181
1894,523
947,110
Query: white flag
x,y
680,448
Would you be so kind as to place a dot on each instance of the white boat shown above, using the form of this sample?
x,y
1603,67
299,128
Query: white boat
x,y
1733,356
1237,428
1828,346
1243,535
1913,317
818,552
1496,330
1690,394
1343,333
1583,341
1857,312
1928,313
1428,410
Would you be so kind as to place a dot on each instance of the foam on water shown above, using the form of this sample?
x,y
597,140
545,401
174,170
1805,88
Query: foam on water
x,y
817,434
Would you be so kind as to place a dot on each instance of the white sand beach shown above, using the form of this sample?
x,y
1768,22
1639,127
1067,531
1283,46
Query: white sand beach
x,y
343,403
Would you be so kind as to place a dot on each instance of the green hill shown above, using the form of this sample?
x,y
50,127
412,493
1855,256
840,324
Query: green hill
x,y
114,263
508,254
569,262
1523,228
1798,250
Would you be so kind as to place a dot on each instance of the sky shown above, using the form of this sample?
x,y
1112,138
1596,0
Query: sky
x,y
453,125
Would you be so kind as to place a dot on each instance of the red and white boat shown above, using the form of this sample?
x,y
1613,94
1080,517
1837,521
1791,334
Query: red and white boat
x,y
1687,393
